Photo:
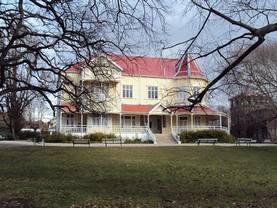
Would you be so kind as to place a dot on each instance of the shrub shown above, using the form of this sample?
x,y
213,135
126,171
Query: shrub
x,y
137,141
24,135
60,138
132,141
9,137
148,141
98,137
192,136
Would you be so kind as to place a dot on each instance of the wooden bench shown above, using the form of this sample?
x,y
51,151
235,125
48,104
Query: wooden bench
x,y
112,141
207,140
247,141
81,141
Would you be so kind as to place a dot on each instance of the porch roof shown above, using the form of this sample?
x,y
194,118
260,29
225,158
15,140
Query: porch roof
x,y
65,106
136,108
197,109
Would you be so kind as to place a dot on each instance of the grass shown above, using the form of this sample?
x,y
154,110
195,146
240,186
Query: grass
x,y
138,177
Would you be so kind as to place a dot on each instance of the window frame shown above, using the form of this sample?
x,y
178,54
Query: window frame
x,y
153,92
127,91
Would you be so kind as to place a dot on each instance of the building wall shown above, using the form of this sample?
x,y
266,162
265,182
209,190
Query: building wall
x,y
250,117
140,84
165,89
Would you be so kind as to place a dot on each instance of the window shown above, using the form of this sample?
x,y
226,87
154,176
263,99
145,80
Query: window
x,y
99,91
182,94
98,120
196,91
128,121
197,121
127,91
70,119
152,92
183,121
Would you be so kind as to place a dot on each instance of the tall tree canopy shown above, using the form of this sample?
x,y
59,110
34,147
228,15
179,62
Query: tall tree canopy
x,y
225,26
48,36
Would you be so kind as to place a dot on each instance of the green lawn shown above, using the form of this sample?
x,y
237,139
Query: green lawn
x,y
138,177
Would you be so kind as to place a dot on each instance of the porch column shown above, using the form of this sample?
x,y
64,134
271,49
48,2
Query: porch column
x,y
82,116
171,121
220,121
229,124
191,121
120,125
148,121
101,121
176,123
60,122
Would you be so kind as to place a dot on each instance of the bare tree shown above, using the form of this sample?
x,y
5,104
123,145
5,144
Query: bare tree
x,y
256,76
50,36
225,26
36,110
257,73
13,104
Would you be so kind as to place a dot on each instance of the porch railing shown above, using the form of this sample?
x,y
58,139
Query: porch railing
x,y
133,130
152,136
74,129
107,129
175,136
180,129
129,129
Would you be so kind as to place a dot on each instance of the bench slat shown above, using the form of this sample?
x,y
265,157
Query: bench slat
x,y
244,140
207,140
81,141
113,141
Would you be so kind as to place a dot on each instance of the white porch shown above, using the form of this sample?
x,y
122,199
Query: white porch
x,y
142,126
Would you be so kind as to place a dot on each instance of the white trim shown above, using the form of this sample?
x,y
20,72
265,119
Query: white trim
x,y
155,107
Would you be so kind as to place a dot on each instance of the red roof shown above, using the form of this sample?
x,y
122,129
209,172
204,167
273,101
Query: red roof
x,y
147,108
150,66
145,66
136,108
68,107
197,109
188,67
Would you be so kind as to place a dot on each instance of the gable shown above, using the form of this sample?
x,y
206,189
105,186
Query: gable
x,y
101,68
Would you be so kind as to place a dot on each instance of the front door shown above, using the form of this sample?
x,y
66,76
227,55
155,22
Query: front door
x,y
155,124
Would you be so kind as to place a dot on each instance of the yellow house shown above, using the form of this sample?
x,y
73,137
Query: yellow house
x,y
129,96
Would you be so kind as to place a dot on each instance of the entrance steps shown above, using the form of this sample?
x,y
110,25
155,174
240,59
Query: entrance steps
x,y
165,139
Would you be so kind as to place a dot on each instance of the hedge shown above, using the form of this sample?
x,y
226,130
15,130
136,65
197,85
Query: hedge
x,y
60,138
192,136
137,141
98,137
